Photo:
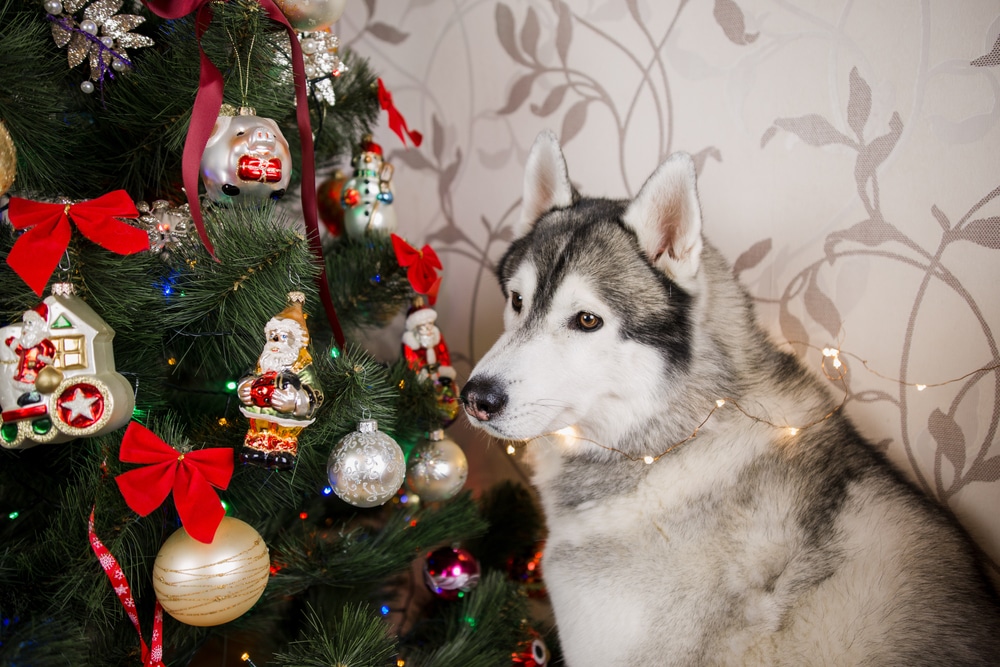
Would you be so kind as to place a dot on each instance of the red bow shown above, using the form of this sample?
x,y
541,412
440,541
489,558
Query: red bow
x,y
190,476
420,265
255,168
37,252
396,121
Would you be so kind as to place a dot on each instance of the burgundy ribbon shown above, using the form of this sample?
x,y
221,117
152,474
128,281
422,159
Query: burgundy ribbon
x,y
152,654
207,103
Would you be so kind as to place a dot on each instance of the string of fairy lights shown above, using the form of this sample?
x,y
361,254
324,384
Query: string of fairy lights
x,y
831,357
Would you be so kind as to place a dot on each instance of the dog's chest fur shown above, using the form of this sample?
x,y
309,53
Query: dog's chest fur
x,y
657,557
715,556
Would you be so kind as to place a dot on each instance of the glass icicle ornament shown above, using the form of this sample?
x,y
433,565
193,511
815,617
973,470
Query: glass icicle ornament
x,y
367,467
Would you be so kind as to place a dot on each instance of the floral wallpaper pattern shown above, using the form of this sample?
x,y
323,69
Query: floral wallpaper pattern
x,y
848,167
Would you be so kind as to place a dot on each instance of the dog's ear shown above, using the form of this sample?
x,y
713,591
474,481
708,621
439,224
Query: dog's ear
x,y
666,217
546,181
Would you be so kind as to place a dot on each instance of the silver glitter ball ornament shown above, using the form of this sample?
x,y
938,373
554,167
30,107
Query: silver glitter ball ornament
x,y
367,467
437,469
246,159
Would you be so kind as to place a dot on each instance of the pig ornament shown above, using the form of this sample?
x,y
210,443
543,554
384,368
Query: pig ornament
x,y
246,159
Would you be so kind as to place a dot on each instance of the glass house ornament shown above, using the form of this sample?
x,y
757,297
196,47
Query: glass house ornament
x,y
58,379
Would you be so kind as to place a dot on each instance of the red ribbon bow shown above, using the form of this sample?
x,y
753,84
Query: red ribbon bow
x,y
421,265
205,112
190,476
37,252
396,121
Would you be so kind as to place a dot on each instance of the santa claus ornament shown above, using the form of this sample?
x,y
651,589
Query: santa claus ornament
x,y
282,396
246,159
427,355
59,380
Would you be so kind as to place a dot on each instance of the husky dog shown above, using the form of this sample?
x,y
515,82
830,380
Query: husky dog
x,y
748,543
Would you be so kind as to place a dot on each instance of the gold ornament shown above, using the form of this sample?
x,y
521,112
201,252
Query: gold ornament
x,y
210,584
8,160
48,379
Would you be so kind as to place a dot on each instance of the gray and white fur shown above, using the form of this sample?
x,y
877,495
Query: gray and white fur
x,y
745,545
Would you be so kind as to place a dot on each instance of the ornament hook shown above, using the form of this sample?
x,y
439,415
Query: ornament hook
x,y
65,263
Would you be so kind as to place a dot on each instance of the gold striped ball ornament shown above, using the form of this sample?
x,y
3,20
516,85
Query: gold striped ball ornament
x,y
8,160
211,584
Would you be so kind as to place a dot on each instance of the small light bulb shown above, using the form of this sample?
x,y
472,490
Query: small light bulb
x,y
511,450
836,362
719,403
921,387
568,432
792,430
648,459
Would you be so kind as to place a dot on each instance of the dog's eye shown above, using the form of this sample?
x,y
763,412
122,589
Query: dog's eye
x,y
516,301
588,321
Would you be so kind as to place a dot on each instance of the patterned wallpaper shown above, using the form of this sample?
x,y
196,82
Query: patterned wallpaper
x,y
849,161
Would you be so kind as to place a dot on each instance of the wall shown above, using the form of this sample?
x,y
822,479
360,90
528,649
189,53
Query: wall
x,y
848,159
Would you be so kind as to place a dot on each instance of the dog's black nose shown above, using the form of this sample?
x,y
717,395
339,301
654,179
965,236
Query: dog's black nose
x,y
483,398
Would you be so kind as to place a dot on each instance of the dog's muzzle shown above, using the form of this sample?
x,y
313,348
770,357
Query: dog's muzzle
x,y
483,398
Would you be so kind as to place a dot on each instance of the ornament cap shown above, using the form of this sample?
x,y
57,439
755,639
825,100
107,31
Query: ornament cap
x,y
437,435
368,425
64,289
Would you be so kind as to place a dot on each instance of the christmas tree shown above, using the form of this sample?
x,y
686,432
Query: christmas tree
x,y
154,458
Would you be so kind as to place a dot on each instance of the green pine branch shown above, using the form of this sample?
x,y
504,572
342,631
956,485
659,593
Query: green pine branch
x,y
361,639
